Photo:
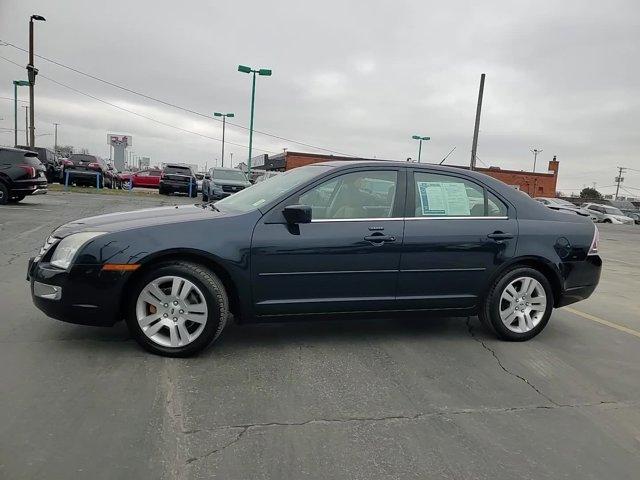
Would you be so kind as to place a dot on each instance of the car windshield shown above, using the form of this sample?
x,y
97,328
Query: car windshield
x,y
612,211
262,193
229,175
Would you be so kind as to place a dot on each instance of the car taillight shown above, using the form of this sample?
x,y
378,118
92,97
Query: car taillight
x,y
593,249
67,162
94,166
31,171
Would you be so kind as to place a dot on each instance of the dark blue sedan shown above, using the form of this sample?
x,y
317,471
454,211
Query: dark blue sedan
x,y
330,240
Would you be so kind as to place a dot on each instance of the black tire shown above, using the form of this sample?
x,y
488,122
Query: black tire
x,y
490,309
215,296
17,198
163,191
4,194
607,220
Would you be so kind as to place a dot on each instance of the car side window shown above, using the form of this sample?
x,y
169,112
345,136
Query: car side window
x,y
438,195
365,194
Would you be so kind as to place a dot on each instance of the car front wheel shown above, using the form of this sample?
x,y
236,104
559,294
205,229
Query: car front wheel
x,y
177,309
518,305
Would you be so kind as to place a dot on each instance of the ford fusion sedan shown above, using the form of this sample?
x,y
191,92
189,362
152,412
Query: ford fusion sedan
x,y
336,240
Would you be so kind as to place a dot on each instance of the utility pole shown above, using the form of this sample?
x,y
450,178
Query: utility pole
x,y
55,141
476,128
224,124
26,124
32,72
535,152
231,153
619,179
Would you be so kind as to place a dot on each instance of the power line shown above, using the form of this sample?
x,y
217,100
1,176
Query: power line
x,y
134,112
11,99
173,105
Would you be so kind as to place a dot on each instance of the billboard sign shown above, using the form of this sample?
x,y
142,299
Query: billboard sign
x,y
116,140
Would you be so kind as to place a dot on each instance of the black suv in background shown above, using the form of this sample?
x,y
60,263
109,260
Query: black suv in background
x,y
50,161
21,174
83,169
178,179
221,182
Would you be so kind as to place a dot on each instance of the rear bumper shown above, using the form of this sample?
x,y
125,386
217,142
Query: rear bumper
x,y
177,186
84,296
582,278
36,186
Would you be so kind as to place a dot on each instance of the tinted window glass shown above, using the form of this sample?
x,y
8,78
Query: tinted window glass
x,y
369,194
495,206
82,158
262,193
9,157
178,170
439,195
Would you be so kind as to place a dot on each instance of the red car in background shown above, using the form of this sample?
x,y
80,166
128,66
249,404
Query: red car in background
x,y
149,178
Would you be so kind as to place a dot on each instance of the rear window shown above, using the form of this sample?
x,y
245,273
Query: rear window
x,y
178,170
229,175
12,157
82,158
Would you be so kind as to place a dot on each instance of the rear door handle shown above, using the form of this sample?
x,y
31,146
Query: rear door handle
x,y
500,236
379,238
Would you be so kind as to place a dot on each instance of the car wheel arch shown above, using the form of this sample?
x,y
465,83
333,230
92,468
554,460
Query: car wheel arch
x,y
544,266
199,258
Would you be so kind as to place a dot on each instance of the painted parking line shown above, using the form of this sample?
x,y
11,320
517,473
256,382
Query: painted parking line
x,y
25,208
602,321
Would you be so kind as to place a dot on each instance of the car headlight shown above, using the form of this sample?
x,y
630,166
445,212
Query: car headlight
x,y
66,250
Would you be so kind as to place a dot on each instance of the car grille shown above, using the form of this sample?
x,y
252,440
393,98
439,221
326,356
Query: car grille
x,y
232,188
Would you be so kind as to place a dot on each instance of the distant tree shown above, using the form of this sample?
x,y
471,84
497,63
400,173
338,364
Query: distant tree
x,y
64,151
589,192
84,151
559,194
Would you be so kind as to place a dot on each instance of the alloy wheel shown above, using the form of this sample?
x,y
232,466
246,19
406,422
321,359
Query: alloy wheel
x,y
522,304
171,311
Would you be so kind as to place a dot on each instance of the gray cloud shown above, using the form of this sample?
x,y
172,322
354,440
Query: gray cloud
x,y
356,77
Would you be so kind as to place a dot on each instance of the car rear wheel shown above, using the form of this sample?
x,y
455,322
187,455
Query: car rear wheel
x,y
4,194
518,305
17,198
177,309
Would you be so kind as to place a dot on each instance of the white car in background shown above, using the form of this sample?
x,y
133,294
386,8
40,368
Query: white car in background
x,y
564,206
608,214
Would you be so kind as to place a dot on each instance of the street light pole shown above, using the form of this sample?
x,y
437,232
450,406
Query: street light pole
x,y
263,72
55,141
420,138
224,123
535,152
16,84
26,124
32,72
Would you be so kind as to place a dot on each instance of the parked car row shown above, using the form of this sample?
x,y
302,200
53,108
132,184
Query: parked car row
x,y
596,211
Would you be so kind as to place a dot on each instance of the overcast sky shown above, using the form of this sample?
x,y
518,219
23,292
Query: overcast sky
x,y
355,77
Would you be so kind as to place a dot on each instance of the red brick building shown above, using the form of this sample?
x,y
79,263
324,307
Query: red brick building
x,y
535,184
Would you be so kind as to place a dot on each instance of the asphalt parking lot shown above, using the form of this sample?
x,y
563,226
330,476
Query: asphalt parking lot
x,y
439,398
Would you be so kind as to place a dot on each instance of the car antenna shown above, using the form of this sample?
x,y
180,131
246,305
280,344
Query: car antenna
x,y
447,156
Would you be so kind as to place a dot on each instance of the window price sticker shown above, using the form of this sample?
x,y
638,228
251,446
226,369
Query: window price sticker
x,y
444,198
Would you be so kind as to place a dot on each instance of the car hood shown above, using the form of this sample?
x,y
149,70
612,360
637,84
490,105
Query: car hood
x,y
240,183
114,222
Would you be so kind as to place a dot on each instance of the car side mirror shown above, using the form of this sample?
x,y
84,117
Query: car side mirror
x,y
295,214
207,177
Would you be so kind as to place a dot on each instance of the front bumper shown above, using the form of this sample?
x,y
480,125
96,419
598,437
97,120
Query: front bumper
x,y
85,295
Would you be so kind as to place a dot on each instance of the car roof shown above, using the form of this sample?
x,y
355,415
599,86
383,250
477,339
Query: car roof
x,y
22,151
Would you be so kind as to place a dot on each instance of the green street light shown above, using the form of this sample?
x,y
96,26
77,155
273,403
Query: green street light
x,y
418,137
16,84
224,123
265,72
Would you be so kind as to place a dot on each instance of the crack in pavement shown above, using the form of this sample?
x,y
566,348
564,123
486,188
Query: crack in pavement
x,y
243,430
509,372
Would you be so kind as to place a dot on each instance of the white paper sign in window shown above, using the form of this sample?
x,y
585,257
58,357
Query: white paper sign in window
x,y
444,198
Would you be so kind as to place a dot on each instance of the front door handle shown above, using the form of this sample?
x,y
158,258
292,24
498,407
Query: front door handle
x,y
500,236
378,238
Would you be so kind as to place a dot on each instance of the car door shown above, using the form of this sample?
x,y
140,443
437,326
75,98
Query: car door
x,y
345,260
457,233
